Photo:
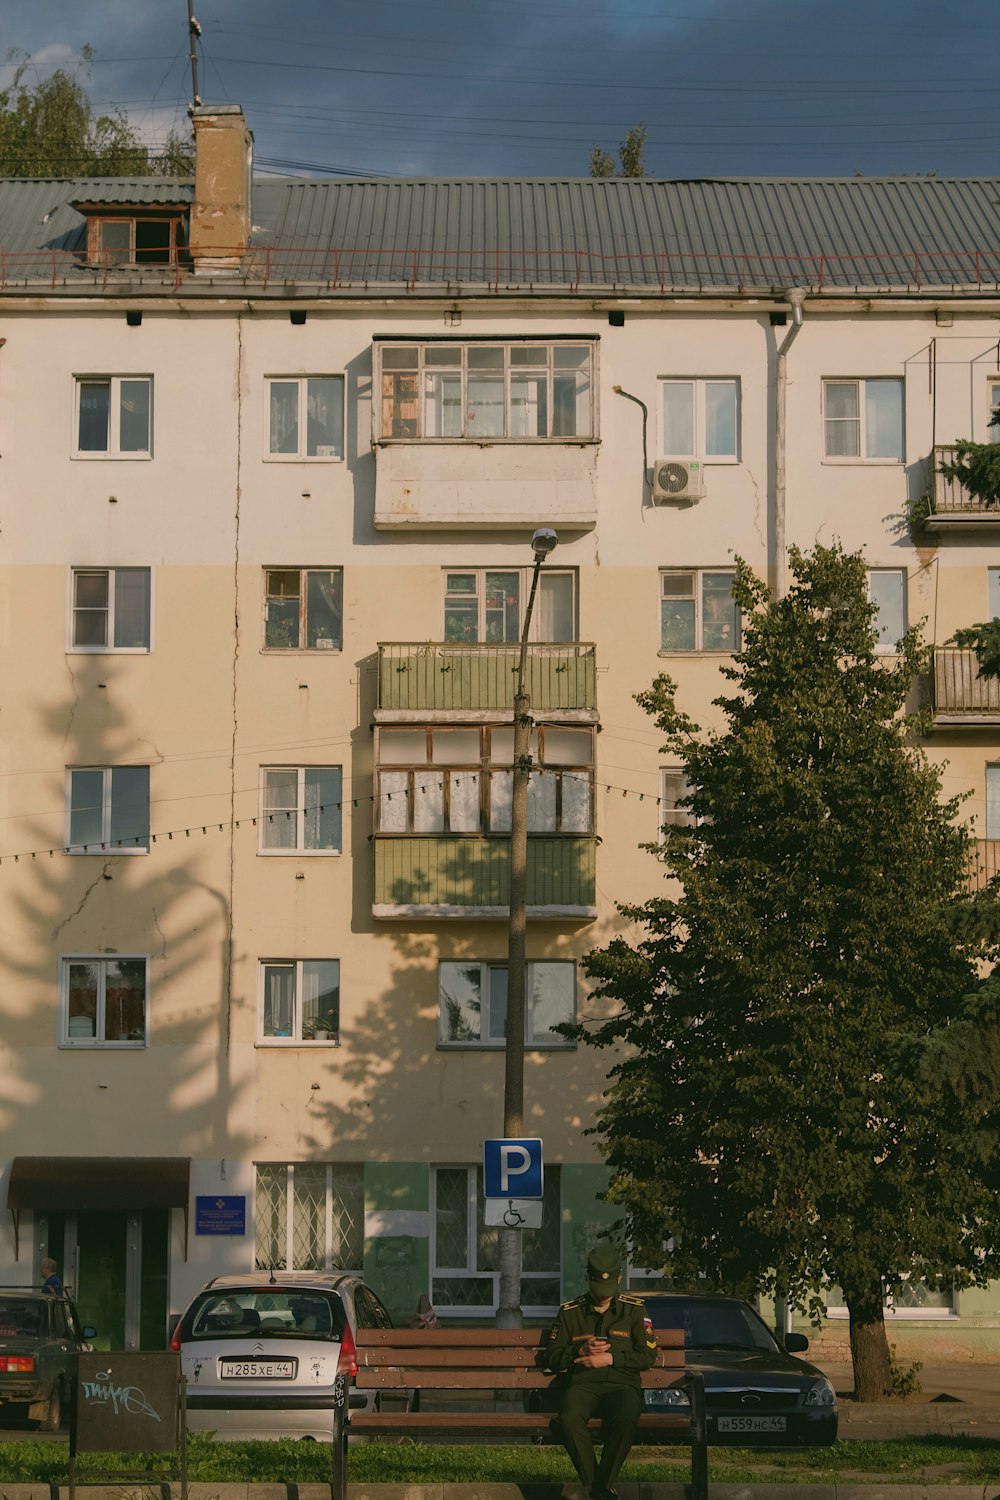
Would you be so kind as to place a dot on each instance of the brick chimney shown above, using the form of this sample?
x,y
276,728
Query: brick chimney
x,y
220,214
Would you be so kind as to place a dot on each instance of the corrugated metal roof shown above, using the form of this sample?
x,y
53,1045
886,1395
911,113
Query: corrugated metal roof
x,y
777,231
601,232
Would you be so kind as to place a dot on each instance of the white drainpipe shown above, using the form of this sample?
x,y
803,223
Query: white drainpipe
x,y
795,301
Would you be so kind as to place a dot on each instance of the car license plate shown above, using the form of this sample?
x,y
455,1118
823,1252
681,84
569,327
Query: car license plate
x,y
257,1369
751,1424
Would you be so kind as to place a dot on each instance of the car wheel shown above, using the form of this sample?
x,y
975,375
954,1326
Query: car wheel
x,y
52,1420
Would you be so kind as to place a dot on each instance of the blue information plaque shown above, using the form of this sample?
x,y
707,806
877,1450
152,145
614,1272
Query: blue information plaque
x,y
219,1214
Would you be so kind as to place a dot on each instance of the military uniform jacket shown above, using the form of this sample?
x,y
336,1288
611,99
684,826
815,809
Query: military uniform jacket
x,y
623,1324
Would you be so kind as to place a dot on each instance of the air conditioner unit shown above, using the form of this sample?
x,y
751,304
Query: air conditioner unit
x,y
678,479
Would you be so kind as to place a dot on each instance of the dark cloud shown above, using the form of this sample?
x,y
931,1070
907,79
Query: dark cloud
x,y
467,87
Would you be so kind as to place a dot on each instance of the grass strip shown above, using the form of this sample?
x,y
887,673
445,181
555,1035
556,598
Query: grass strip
x,y
924,1460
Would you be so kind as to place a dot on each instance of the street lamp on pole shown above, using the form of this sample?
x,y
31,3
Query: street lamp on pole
x,y
509,1308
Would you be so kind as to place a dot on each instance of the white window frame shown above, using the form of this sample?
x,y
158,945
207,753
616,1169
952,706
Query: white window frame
x,y
462,371
668,810
699,385
299,848
300,456
298,1040
861,381
698,649
836,1311
992,409
524,589
484,1042
105,846
891,648
470,1271
288,1168
107,649
303,645
113,450
992,774
90,1043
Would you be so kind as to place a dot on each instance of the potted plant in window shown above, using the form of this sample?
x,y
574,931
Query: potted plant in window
x,y
320,1028
322,639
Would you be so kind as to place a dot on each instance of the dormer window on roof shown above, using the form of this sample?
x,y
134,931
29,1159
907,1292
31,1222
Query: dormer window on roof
x,y
134,240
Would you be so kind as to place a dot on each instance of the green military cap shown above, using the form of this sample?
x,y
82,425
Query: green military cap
x,y
604,1267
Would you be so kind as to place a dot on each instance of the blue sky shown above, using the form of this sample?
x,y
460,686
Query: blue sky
x,y
526,87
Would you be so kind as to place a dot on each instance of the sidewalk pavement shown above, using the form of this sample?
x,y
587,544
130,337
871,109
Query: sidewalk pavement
x,y
960,1397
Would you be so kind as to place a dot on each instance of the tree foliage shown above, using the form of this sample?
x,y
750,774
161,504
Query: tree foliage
x,y
810,1085
48,129
976,466
631,155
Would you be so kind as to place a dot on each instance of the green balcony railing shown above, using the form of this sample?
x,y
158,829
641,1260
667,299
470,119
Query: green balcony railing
x,y
472,871
432,675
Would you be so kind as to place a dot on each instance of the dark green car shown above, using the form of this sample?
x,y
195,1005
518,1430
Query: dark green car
x,y
40,1338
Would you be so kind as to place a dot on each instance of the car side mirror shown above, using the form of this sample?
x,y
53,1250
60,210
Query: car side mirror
x,y
90,1333
796,1343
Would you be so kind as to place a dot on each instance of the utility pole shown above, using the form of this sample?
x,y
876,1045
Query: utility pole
x,y
509,1308
194,32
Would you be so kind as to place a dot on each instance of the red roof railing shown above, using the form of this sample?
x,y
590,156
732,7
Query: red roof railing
x,y
570,270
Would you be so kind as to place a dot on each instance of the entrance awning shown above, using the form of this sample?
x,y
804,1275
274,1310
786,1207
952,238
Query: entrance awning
x,y
77,1183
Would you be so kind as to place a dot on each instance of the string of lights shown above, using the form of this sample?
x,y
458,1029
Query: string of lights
x,y
213,825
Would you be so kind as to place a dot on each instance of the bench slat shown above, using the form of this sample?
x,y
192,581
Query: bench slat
x,y
405,1377
487,1422
489,1338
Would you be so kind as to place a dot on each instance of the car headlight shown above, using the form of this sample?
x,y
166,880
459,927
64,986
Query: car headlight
x,y
673,1397
821,1394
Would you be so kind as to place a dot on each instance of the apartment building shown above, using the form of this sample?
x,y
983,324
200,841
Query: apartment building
x,y
272,457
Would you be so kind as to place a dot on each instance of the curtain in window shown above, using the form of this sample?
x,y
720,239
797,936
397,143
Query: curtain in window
x,y
325,418
463,793
576,814
279,999
542,790
393,801
132,607
552,617
280,815
322,807
284,426
678,418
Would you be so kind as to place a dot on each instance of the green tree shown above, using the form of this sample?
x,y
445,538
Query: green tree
x,y
809,1088
49,129
631,155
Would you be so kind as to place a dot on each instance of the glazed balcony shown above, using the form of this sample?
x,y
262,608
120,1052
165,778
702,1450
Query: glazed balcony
x,y
422,677
952,506
962,696
468,875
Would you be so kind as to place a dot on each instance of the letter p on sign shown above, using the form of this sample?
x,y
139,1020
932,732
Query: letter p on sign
x,y
512,1169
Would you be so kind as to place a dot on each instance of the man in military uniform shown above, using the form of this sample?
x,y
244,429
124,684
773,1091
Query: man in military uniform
x,y
601,1342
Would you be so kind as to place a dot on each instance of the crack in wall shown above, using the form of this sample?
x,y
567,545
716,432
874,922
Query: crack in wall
x,y
76,700
759,525
162,935
83,901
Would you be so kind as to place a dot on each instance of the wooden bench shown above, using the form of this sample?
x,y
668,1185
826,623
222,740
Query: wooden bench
x,y
494,1371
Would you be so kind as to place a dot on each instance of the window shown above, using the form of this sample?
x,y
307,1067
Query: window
x,y
103,1002
465,1251
698,611
488,604
913,1298
108,810
303,609
993,802
701,419
134,241
300,1001
458,780
863,419
111,609
305,416
472,1003
993,593
300,809
309,1216
674,787
887,591
114,416
490,390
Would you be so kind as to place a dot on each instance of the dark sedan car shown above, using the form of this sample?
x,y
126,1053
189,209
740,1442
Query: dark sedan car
x,y
757,1393
40,1338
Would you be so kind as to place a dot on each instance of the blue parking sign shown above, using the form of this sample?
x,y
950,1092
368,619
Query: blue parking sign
x,y
512,1169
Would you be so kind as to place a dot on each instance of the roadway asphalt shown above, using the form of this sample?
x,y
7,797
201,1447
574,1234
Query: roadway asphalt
x,y
956,1397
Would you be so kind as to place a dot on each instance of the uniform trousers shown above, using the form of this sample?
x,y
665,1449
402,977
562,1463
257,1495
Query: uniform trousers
x,y
619,1408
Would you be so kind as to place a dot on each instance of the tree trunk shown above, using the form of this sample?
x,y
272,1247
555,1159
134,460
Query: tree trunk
x,y
869,1345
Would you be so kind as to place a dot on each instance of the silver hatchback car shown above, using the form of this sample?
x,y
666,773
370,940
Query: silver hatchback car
x,y
272,1355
